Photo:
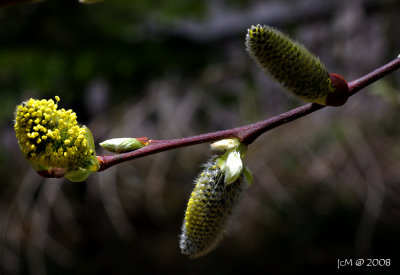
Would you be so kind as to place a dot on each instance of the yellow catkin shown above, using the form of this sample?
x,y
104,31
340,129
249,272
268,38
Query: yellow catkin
x,y
209,210
48,136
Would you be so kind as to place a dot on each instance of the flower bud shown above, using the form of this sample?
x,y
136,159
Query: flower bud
x,y
294,66
121,145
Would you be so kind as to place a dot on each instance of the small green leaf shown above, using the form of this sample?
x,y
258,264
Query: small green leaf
x,y
78,175
225,144
81,174
233,167
231,160
89,138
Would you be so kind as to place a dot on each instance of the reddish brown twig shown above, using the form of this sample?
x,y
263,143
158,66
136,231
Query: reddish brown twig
x,y
370,78
248,133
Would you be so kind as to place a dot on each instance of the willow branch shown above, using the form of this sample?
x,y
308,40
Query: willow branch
x,y
248,133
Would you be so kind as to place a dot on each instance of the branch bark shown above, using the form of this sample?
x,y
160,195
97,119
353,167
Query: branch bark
x,y
248,133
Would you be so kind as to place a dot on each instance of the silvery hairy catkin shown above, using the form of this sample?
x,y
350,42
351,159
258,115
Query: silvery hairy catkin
x,y
295,67
209,209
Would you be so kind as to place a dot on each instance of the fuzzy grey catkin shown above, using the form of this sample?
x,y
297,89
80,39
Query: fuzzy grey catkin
x,y
209,210
289,63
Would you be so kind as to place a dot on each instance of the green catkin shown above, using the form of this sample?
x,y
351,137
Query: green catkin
x,y
209,210
289,63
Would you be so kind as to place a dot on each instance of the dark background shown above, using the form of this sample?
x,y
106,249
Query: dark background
x,y
326,187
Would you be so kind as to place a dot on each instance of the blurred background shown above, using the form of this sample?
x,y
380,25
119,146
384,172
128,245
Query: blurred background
x,y
326,187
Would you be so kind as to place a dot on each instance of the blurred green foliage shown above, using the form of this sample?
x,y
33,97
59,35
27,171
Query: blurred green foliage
x,y
60,46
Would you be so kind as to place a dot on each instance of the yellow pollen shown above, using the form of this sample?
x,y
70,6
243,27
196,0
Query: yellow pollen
x,y
62,140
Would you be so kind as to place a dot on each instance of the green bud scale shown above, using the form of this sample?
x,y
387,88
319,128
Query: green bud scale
x,y
294,66
209,209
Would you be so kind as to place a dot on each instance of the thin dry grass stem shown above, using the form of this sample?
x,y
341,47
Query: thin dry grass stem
x,y
374,191
113,205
